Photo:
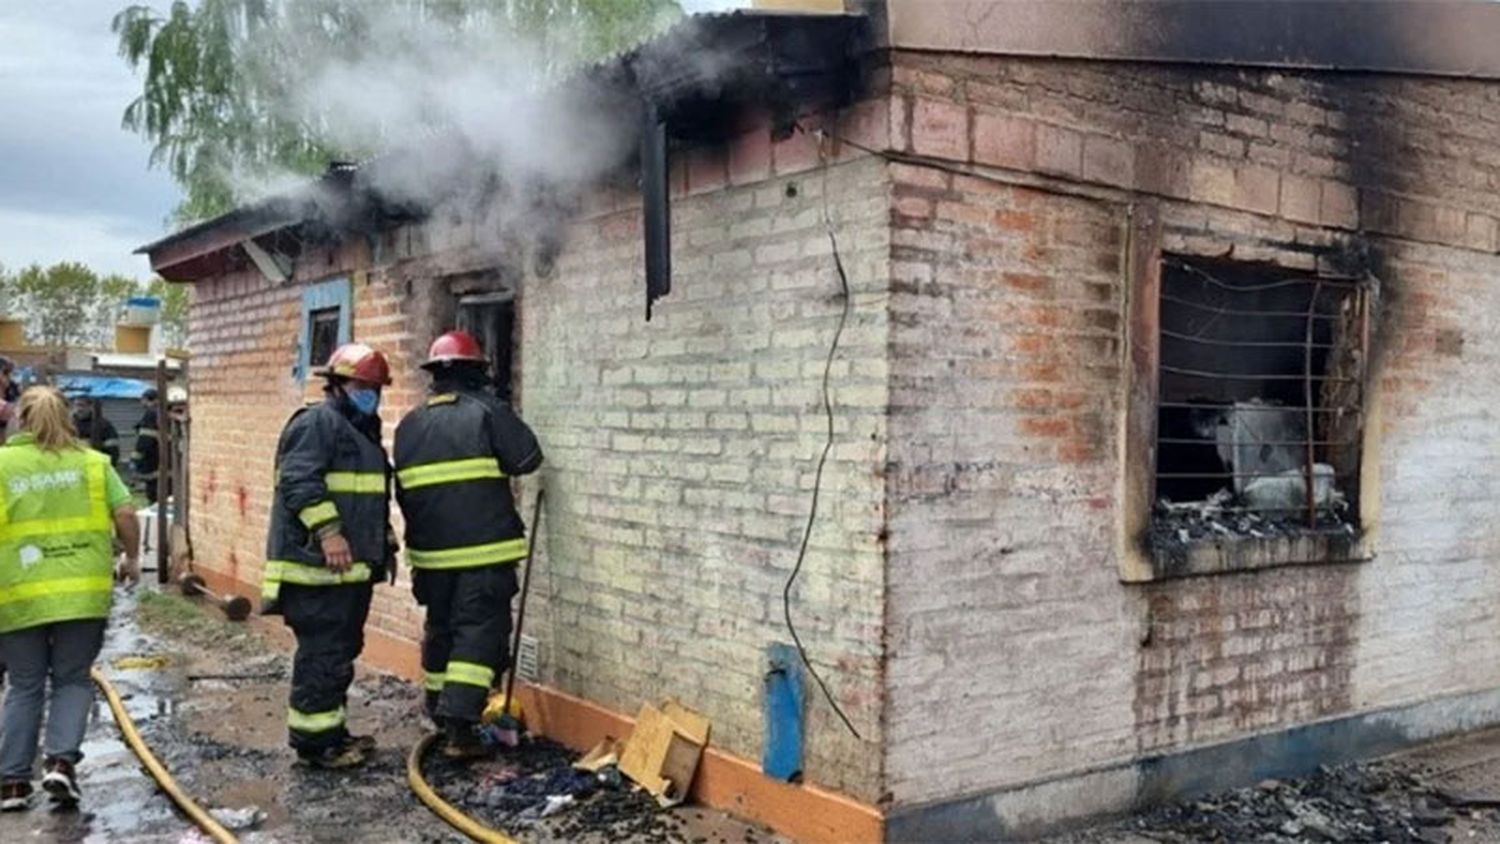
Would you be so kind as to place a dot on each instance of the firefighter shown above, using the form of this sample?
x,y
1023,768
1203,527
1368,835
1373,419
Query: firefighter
x,y
464,537
330,541
146,458
98,431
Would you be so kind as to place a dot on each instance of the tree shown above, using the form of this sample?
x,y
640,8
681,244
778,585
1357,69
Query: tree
x,y
68,304
223,80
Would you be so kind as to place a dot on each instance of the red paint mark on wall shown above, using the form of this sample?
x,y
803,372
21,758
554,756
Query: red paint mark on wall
x,y
242,499
212,486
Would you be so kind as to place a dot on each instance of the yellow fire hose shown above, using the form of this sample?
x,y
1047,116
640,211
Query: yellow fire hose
x,y
442,808
158,771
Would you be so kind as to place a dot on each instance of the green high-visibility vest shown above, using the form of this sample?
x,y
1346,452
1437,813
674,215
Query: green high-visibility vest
x,y
56,535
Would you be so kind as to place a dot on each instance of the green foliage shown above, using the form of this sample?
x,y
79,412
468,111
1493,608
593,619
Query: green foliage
x,y
220,78
68,304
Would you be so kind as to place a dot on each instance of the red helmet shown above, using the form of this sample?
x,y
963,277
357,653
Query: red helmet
x,y
454,346
357,362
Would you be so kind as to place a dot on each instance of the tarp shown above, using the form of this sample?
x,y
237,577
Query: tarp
x,y
101,386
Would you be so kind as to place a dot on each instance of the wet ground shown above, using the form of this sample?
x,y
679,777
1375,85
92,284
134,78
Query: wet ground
x,y
210,698
1436,794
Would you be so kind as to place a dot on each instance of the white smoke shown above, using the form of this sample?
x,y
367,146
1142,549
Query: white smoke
x,y
470,119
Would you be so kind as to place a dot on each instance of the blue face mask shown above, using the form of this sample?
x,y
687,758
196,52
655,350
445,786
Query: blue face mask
x,y
365,401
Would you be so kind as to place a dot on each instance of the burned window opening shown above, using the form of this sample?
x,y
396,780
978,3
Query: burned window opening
x,y
1259,404
491,318
323,334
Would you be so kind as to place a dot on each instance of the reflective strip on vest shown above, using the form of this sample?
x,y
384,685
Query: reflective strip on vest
x,y
434,682
146,432
284,571
315,722
469,556
318,514
59,587
359,483
450,472
470,673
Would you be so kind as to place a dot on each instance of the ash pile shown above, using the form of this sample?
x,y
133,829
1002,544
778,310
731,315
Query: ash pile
x,y
535,786
1350,803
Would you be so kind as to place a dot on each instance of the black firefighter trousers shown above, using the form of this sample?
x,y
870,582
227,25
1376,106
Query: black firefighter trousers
x,y
329,623
466,638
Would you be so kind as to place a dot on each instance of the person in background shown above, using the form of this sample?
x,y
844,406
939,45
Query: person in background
x,y
454,456
10,393
329,542
98,432
62,505
145,460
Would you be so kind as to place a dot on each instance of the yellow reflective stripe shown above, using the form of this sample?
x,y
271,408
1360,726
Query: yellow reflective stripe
x,y
360,483
471,555
470,673
434,682
283,571
44,527
442,398
318,514
315,722
60,586
146,432
450,471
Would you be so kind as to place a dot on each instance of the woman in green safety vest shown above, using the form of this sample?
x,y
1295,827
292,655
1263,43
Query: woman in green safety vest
x,y
60,505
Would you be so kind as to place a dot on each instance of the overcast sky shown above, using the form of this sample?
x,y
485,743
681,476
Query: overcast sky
x,y
74,186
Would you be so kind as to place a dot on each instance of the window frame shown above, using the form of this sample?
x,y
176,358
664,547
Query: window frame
x,y
473,307
1139,442
316,298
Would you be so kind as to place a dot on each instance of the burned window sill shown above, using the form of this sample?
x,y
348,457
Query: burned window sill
x,y
1333,543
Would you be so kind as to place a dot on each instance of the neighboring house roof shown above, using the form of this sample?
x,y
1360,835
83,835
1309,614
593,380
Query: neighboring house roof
x,y
697,74
116,360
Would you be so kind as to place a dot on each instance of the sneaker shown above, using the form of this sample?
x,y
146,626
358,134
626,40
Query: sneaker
x,y
61,782
15,796
348,754
464,742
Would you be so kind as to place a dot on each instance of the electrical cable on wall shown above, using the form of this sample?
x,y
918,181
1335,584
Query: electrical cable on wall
x,y
812,515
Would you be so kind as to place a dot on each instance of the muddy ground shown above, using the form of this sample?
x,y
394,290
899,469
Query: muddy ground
x,y
209,697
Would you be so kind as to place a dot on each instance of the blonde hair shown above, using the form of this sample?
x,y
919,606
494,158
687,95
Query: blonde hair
x,y
45,415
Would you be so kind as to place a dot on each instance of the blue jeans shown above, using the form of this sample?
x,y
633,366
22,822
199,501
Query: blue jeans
x,y
62,652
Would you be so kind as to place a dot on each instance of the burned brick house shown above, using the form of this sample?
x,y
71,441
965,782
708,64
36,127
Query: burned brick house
x,y
1161,452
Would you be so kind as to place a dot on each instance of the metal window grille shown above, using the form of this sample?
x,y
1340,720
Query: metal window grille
x,y
1260,394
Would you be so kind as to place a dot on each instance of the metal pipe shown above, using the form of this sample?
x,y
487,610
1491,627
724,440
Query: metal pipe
x,y
1312,508
235,607
515,649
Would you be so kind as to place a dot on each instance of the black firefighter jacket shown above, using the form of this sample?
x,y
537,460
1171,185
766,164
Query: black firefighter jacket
x,y
329,473
453,457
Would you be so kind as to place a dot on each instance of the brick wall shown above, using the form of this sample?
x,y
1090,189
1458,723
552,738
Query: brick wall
x,y
680,452
1007,408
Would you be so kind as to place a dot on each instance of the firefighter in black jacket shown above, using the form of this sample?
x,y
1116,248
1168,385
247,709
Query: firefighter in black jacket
x,y
99,431
146,458
330,541
463,535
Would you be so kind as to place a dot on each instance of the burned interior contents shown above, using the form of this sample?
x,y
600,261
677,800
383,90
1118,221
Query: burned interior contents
x,y
1259,418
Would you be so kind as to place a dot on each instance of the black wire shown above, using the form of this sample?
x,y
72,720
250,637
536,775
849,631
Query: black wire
x,y
812,515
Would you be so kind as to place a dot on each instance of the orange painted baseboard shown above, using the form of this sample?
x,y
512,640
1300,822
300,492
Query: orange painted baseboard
x,y
804,813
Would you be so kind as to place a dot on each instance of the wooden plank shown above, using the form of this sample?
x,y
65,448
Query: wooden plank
x,y
1143,343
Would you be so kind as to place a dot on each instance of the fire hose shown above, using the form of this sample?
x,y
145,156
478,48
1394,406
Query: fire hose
x,y
158,771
